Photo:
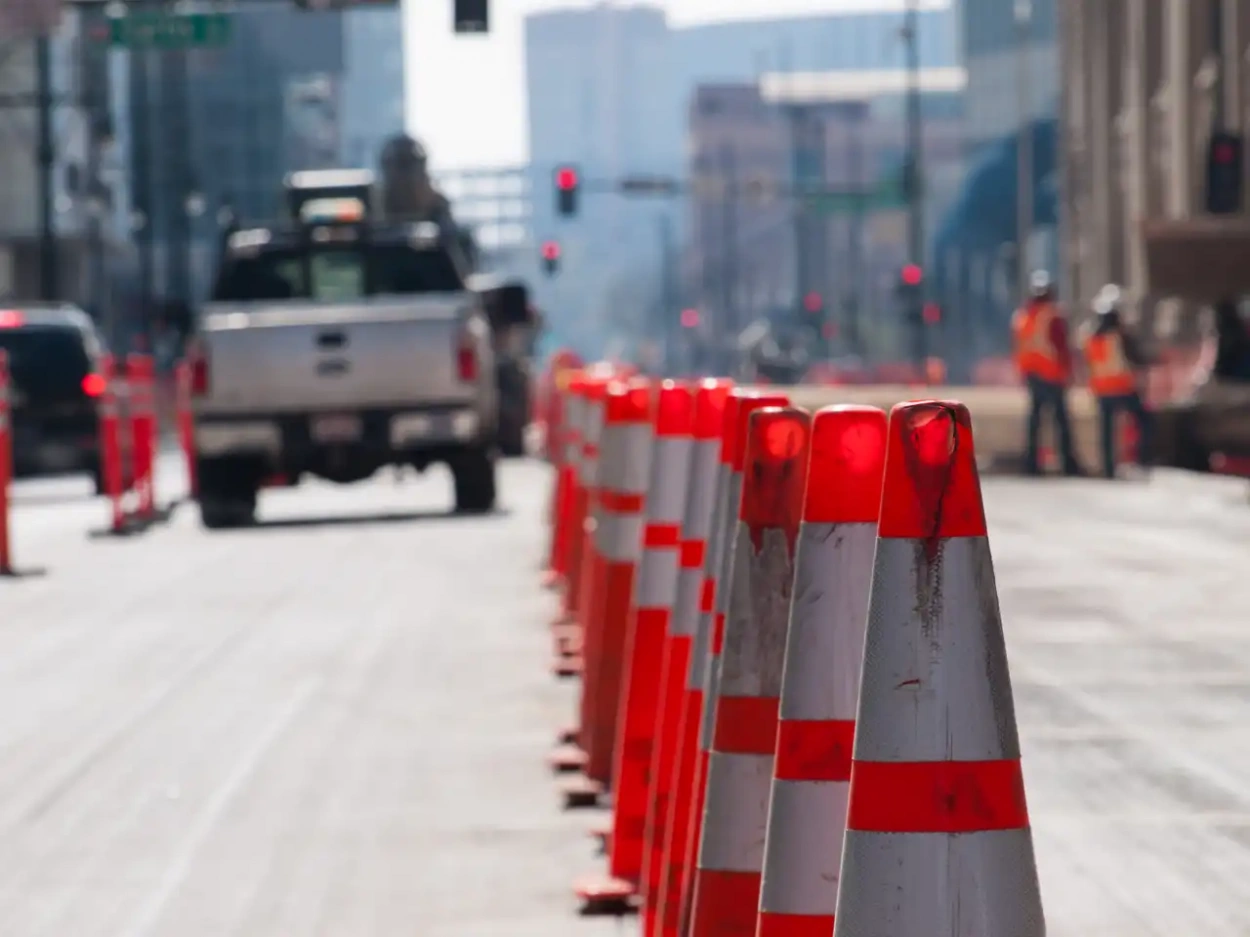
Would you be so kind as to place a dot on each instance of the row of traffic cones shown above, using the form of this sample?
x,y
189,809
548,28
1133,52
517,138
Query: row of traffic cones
x,y
794,689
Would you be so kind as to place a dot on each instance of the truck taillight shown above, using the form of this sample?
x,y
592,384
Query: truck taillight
x,y
466,360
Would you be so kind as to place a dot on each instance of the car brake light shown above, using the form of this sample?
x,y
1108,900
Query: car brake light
x,y
10,319
94,385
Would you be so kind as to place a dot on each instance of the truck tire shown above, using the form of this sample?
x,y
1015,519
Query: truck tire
x,y
473,476
512,436
227,496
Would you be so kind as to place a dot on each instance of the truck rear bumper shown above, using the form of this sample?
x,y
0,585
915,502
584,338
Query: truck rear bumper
x,y
283,436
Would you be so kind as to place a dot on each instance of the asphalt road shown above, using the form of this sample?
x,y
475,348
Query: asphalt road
x,y
335,723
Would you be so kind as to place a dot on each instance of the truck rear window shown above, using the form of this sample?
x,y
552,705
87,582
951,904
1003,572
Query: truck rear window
x,y
46,362
336,274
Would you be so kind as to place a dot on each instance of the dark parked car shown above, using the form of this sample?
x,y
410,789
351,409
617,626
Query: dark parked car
x,y
55,357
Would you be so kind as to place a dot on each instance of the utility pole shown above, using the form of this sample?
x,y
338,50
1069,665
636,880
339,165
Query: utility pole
x,y
913,176
729,247
668,306
49,266
1024,145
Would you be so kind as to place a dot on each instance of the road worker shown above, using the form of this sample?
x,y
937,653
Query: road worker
x,y
1115,360
1044,360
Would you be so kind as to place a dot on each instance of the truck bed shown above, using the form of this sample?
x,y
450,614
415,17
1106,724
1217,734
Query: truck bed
x,y
294,356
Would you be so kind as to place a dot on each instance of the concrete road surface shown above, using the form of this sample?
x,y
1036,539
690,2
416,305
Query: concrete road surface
x,y
334,724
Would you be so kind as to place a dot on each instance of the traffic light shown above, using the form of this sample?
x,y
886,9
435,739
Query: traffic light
x,y
690,318
1224,173
814,303
932,314
566,191
471,16
551,257
912,275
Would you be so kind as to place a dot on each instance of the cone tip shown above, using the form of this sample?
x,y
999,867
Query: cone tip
x,y
847,465
629,401
747,404
674,409
931,484
776,455
709,407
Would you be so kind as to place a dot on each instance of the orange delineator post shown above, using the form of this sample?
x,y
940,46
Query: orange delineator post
x,y
617,536
705,659
141,375
692,588
655,590
726,884
185,420
6,466
111,445
824,655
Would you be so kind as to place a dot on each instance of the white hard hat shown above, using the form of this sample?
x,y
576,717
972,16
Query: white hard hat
x,y
1108,300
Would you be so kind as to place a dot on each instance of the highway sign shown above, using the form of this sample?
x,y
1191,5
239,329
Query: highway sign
x,y
157,30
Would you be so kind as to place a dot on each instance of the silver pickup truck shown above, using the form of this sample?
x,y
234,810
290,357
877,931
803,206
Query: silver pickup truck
x,y
334,350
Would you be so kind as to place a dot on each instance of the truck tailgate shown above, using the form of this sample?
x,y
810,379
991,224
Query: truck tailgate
x,y
297,357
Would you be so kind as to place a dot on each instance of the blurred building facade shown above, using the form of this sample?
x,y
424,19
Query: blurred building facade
x,y
1010,51
771,220
610,89
371,98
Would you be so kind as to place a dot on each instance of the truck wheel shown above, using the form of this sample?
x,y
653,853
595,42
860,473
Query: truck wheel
x,y
512,438
473,475
227,494
223,511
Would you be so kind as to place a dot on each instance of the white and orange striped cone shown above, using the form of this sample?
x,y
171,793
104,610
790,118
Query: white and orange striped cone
x,y
726,890
699,712
617,549
655,590
693,595
938,841
820,686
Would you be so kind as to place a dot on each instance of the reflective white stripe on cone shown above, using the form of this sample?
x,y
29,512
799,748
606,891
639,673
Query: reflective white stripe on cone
x,y
731,853
704,661
820,686
938,841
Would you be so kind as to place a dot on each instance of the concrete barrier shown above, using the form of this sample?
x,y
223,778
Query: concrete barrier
x,y
998,416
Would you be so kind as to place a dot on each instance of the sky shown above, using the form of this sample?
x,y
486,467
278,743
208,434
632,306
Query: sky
x,y
465,94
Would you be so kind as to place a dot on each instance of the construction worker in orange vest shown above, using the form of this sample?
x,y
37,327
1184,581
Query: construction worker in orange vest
x,y
1044,360
1114,360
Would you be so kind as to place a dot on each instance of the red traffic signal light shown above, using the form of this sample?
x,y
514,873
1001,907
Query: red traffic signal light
x,y
813,302
913,275
566,191
689,318
551,250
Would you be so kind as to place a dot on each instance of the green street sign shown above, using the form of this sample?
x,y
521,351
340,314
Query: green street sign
x,y
170,30
885,198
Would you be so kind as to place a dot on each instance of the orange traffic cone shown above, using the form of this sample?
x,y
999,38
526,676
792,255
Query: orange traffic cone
x,y
699,711
820,689
617,548
655,589
726,892
693,594
938,841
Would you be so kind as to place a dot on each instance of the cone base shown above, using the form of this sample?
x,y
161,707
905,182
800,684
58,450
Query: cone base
x,y
602,895
581,791
568,757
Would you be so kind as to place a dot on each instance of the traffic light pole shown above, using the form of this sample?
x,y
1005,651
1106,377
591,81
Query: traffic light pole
x,y
913,176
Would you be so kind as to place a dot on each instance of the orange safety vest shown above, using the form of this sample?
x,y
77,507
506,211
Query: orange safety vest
x,y
1035,353
1110,374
